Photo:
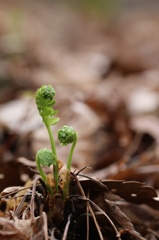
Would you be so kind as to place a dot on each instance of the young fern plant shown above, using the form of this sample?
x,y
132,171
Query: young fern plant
x,y
45,101
66,135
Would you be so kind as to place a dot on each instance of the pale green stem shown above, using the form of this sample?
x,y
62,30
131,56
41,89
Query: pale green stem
x,y
68,167
69,161
42,174
53,148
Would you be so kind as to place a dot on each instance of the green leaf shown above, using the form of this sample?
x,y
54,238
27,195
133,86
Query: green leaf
x,y
53,121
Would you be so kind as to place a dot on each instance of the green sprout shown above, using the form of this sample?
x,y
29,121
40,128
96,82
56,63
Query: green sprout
x,y
45,101
66,135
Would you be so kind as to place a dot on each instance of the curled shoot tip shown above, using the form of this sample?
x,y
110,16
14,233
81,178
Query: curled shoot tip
x,y
67,135
44,157
45,100
45,95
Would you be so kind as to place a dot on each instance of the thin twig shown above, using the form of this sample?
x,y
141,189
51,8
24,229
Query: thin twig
x,y
14,192
90,209
87,220
100,210
45,226
78,172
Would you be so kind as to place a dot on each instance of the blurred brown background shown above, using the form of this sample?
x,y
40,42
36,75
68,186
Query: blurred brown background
x,y
102,58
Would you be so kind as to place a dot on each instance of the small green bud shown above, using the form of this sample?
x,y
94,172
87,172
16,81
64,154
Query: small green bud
x,y
45,157
45,95
48,92
66,135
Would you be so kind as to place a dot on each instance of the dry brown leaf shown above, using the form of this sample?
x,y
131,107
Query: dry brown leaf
x,y
10,232
134,192
122,219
